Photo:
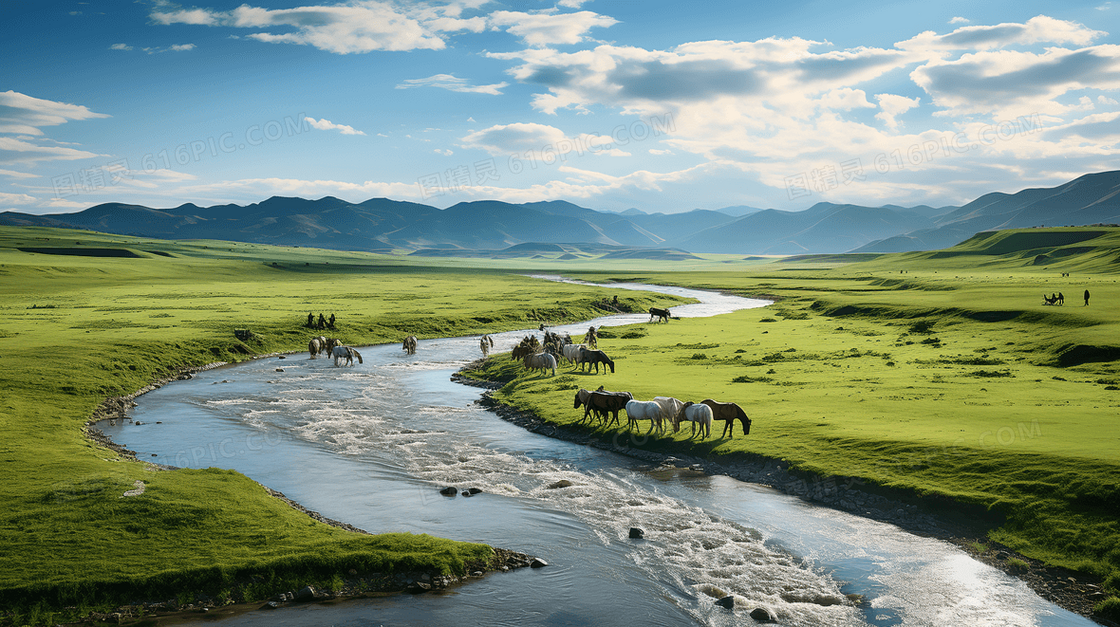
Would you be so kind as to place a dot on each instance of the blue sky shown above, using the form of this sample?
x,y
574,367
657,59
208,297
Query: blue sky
x,y
609,105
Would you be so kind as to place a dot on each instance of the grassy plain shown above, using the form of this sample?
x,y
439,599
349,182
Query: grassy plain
x,y
78,327
939,374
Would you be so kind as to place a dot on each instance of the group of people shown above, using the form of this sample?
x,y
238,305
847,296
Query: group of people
x,y
323,323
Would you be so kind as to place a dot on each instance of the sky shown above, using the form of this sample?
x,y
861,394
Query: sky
x,y
656,105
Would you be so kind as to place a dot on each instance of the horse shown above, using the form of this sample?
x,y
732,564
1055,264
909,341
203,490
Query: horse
x,y
409,345
695,413
329,344
581,399
642,410
604,402
485,343
670,407
661,314
595,357
543,361
729,412
314,347
347,353
571,352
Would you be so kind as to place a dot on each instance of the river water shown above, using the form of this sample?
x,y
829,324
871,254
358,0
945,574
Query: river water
x,y
372,444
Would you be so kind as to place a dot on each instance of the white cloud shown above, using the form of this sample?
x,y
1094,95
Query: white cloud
x,y
1006,83
657,151
453,83
20,113
342,29
447,152
959,20
120,47
16,199
182,47
774,107
542,29
327,125
893,105
544,142
1035,30
846,99
18,175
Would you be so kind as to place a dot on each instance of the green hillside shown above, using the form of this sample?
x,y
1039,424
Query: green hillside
x,y
91,315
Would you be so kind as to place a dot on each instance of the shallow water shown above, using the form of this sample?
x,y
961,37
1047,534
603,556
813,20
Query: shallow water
x,y
372,444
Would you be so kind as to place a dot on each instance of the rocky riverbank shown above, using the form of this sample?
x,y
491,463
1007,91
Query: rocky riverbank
x,y
963,525
357,585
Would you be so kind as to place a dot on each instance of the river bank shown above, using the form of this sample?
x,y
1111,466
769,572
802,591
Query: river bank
x,y
960,524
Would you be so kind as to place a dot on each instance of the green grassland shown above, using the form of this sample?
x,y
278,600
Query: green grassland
x,y
77,326
939,374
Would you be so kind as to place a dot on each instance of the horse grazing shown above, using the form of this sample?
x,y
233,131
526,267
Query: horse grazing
x,y
642,410
670,407
729,413
695,413
603,402
409,345
543,361
595,357
661,314
485,343
347,353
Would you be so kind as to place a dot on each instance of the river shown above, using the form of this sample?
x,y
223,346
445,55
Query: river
x,y
371,445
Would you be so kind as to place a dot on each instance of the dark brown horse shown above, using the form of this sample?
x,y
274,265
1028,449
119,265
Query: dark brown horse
x,y
661,314
729,413
596,357
604,403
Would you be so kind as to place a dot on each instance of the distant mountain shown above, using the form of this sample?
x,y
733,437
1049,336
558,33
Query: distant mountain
x,y
384,225
824,227
1086,200
739,211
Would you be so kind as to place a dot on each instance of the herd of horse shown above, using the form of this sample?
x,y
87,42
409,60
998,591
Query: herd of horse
x,y
601,404
661,412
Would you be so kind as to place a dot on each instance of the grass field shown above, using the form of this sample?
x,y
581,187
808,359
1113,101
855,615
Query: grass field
x,y
86,316
941,374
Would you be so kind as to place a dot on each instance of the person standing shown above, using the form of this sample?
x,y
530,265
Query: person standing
x,y
1086,298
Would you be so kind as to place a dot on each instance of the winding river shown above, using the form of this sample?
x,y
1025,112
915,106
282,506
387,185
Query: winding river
x,y
371,445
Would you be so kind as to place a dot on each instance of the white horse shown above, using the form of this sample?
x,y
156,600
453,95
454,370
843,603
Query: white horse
x,y
541,360
347,353
695,413
571,352
670,407
409,345
485,343
642,410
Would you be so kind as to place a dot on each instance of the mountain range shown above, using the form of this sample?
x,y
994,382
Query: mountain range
x,y
384,225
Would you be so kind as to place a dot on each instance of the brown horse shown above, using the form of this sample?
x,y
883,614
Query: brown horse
x,y
605,402
409,345
662,315
729,413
